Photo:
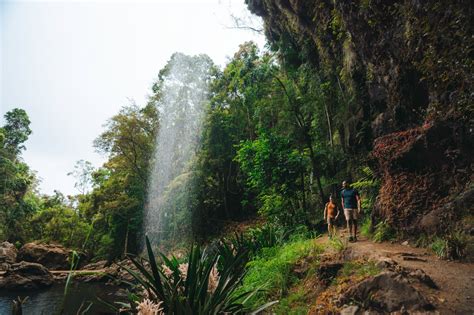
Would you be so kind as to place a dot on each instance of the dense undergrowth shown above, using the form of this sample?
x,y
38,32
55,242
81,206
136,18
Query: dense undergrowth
x,y
239,273
272,270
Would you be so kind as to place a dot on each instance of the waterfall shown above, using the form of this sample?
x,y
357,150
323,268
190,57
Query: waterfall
x,y
181,95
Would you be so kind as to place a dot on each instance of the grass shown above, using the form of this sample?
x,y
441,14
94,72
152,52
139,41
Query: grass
x,y
439,247
295,303
338,243
366,227
452,246
359,269
271,271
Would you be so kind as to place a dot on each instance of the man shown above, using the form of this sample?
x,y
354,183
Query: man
x,y
350,203
330,216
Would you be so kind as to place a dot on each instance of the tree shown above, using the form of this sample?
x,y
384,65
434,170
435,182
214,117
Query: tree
x,y
16,130
275,171
114,207
16,179
83,174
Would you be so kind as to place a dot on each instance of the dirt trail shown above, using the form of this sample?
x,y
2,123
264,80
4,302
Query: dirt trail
x,y
454,279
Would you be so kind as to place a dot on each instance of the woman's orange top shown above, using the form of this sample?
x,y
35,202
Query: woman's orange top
x,y
331,209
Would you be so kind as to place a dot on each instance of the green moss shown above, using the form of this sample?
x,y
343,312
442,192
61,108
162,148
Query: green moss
x,y
369,75
337,25
348,63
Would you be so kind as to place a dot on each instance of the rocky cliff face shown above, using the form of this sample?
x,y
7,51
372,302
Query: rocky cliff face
x,y
407,68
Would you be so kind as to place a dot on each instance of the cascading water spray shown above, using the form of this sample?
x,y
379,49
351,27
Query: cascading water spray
x,y
183,90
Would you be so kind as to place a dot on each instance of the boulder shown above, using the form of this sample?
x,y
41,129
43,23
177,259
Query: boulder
x,y
422,277
328,271
349,310
387,292
386,263
26,276
8,253
52,256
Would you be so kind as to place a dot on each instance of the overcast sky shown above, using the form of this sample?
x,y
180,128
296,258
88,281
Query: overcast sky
x,y
72,65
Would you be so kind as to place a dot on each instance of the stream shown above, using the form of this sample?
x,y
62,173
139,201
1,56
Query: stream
x,y
49,301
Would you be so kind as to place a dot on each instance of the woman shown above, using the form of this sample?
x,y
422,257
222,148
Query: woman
x,y
331,213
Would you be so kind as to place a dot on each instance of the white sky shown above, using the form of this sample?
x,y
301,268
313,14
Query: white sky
x,y
73,65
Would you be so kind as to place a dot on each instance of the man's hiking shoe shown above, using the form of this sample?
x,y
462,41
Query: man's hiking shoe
x,y
351,239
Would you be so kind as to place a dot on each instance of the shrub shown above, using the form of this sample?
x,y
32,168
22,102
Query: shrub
x,y
338,243
294,303
439,247
369,186
271,270
366,228
452,247
195,286
255,239
384,232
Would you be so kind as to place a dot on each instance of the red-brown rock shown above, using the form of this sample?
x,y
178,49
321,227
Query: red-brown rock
x,y
52,256
8,253
26,275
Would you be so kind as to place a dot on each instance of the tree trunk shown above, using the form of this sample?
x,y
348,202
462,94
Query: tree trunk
x,y
314,165
223,186
125,250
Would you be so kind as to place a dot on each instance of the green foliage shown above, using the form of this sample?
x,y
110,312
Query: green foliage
x,y
439,247
57,222
337,24
273,170
366,227
456,245
194,286
295,304
368,185
269,142
359,268
338,243
83,173
384,232
452,246
178,202
17,182
16,130
255,239
270,162
114,207
271,270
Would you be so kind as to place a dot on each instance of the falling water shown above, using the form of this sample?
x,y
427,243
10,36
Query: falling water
x,y
182,95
